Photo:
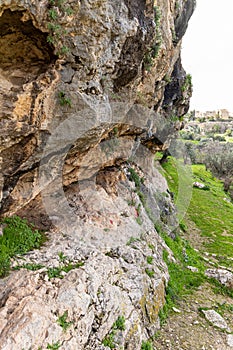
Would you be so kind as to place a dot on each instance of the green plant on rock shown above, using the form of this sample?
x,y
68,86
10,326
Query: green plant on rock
x,y
62,321
136,178
167,78
149,272
187,83
64,50
133,240
54,346
146,345
56,272
153,51
151,246
149,259
62,257
18,238
63,99
53,14
120,323
139,221
29,266
109,340
4,261
57,34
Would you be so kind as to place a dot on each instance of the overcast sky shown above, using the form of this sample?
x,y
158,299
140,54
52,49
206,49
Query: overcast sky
x,y
207,55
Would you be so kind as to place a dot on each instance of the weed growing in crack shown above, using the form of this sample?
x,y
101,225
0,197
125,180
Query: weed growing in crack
x,y
149,259
146,345
57,35
139,221
109,340
63,99
120,323
62,321
29,266
54,346
153,51
150,273
56,272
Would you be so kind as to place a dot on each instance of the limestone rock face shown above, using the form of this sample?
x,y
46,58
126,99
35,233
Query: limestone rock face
x,y
64,60
89,91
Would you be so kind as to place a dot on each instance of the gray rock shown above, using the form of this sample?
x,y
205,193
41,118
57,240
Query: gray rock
x,y
225,277
230,340
217,320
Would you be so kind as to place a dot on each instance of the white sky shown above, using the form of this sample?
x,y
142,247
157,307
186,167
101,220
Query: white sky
x,y
207,55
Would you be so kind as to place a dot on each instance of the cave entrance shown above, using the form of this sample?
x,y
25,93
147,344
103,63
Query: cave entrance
x,y
24,50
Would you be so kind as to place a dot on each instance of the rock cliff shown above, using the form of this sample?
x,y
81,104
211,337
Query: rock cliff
x,y
89,91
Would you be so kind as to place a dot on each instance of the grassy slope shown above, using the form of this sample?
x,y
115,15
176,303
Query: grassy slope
x,y
209,210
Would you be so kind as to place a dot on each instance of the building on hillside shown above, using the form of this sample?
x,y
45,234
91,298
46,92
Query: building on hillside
x,y
224,114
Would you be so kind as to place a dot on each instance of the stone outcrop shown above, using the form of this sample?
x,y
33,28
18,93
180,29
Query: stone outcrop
x,y
89,91
61,58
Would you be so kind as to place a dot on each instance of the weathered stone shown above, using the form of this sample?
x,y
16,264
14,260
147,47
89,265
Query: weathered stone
x,y
217,320
49,89
230,340
225,277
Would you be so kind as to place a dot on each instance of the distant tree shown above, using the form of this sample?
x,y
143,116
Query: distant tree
x,y
220,162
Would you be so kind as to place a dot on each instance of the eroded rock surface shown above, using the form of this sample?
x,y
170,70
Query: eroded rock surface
x,y
88,94
113,277
64,60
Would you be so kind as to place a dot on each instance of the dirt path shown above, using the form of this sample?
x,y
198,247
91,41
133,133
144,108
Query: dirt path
x,y
187,328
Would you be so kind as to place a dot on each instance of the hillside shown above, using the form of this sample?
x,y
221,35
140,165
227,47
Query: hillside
x,y
204,278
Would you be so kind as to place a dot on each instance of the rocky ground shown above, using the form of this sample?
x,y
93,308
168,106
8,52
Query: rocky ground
x,y
190,326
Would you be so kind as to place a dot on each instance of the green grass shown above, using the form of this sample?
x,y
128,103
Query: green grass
x,y
179,179
209,211
18,238
212,214
29,266
56,272
182,281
